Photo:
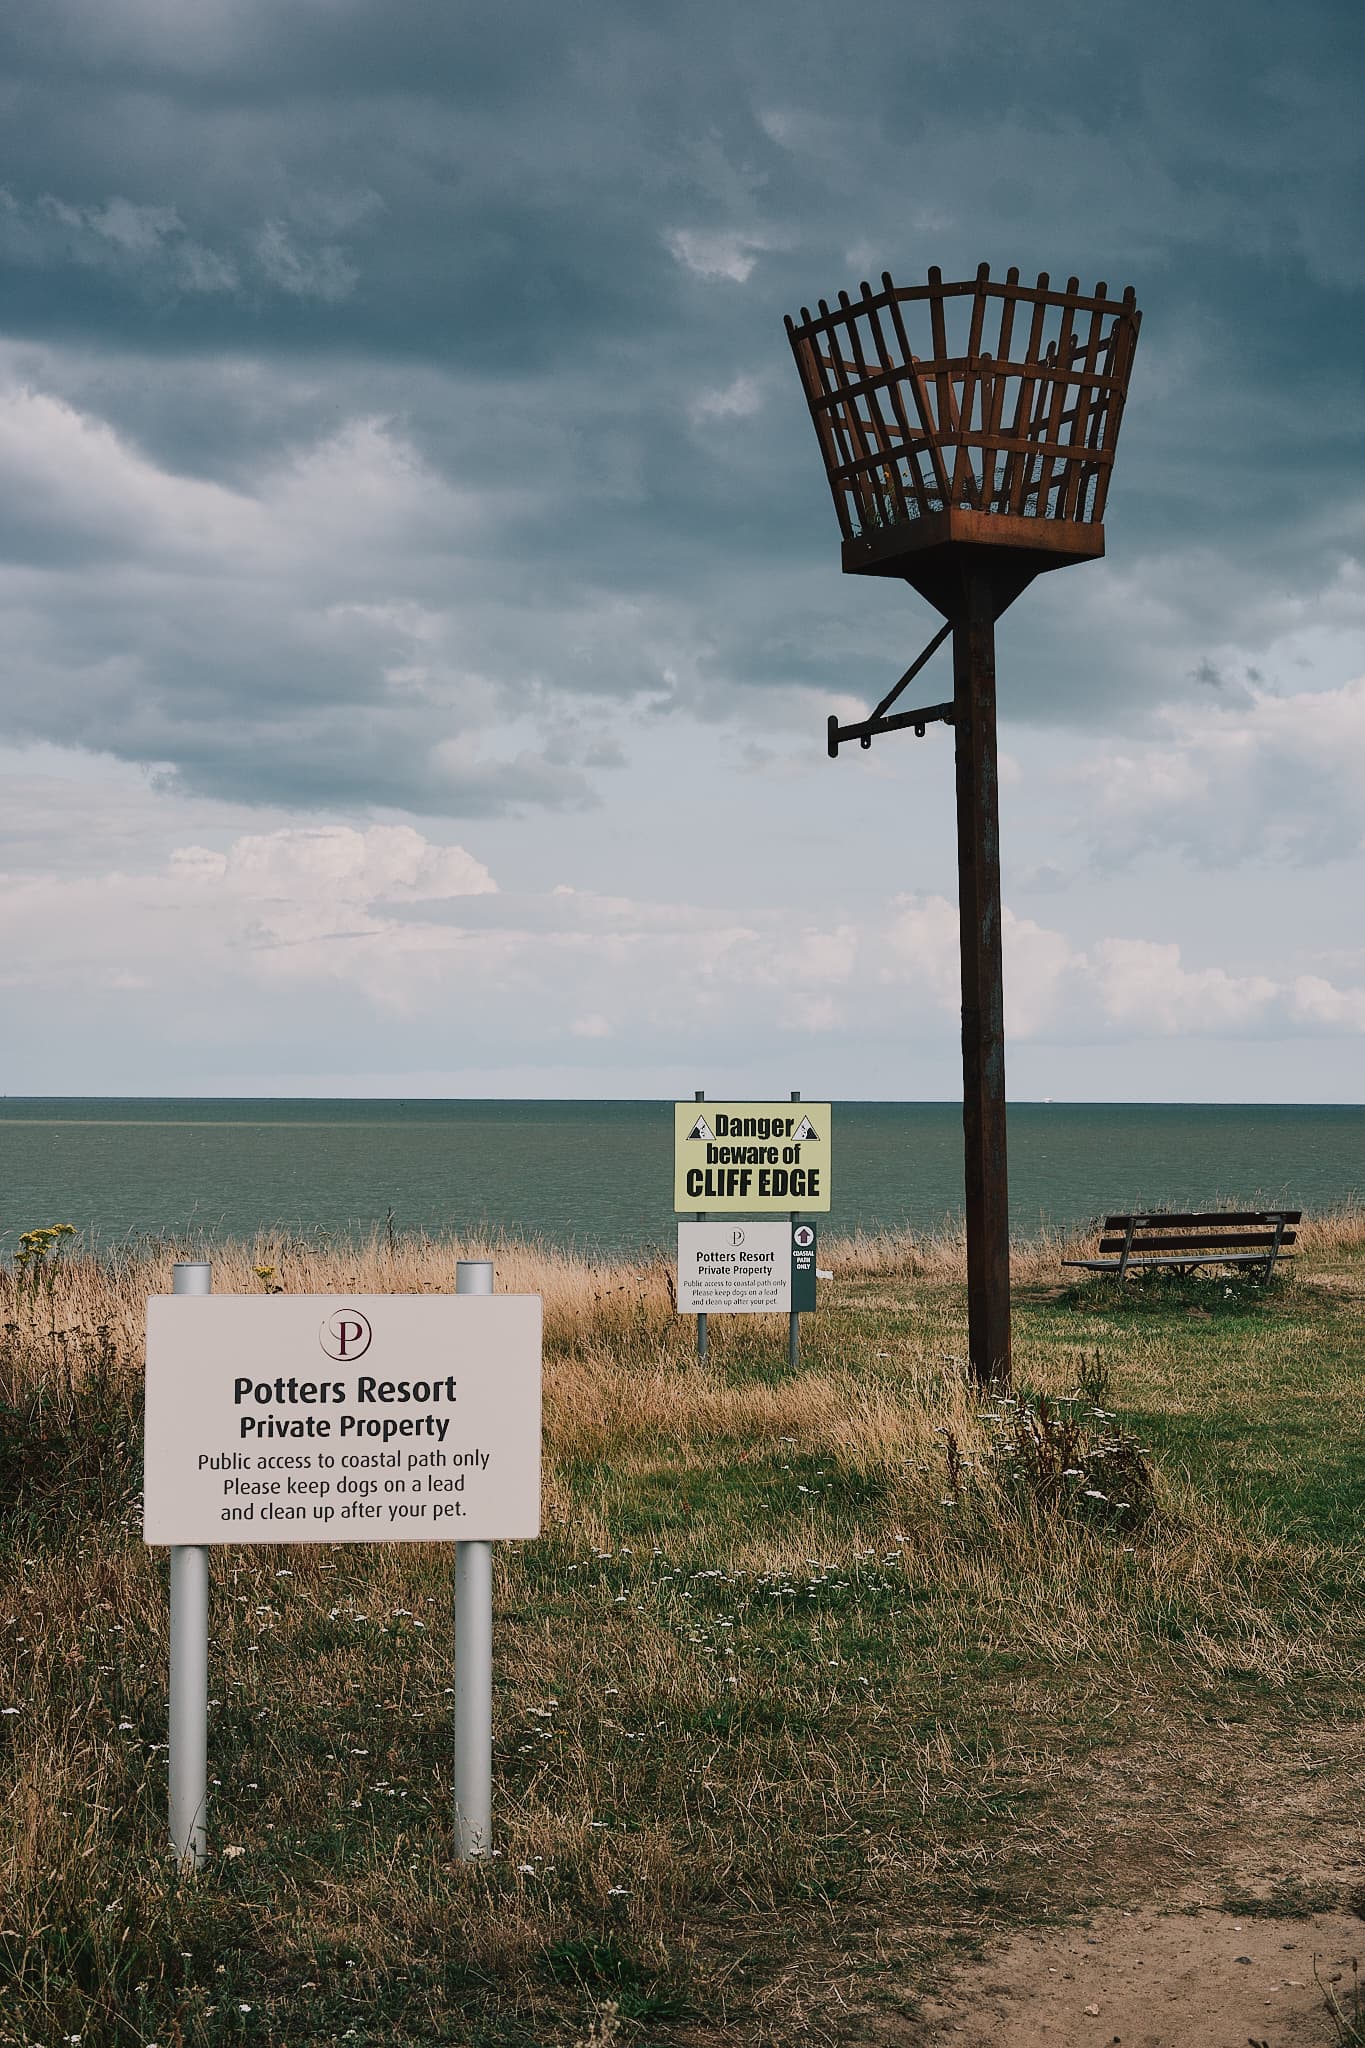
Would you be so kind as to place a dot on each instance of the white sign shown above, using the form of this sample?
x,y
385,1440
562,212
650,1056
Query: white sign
x,y
734,1268
342,1418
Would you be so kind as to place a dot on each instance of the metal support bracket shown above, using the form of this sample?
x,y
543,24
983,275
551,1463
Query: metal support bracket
x,y
866,729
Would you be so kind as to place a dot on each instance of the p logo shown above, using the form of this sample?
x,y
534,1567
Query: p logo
x,y
345,1334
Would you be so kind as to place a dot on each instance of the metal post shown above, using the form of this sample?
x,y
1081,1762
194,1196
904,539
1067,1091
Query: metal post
x,y
473,1658
699,1095
983,998
794,1320
188,1733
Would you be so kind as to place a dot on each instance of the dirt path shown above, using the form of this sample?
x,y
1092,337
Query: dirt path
x,y
1198,1979
1221,1959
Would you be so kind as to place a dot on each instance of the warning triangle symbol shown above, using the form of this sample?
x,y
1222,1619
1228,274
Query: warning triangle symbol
x,y
701,1129
805,1129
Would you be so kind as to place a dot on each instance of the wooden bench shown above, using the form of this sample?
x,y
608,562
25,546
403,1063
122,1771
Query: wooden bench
x,y
1218,1237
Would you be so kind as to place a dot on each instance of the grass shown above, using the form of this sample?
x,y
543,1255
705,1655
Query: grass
x,y
810,1674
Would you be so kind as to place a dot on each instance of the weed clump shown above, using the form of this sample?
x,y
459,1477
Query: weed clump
x,y
70,1425
594,1967
1053,1459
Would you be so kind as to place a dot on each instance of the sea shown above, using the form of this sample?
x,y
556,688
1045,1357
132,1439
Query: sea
x,y
597,1176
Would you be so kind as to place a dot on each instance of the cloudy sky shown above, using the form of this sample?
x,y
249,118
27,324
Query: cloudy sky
x,y
421,602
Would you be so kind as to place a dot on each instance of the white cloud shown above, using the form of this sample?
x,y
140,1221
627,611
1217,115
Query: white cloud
x,y
923,947
1316,1002
318,273
385,864
272,639
811,1014
311,934
1266,775
716,252
149,243
738,400
1119,988
308,903
151,246
1043,977
1146,991
77,476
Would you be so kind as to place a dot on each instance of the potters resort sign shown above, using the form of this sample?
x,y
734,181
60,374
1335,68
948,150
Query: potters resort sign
x,y
309,1419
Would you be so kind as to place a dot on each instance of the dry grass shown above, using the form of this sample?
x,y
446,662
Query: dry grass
x,y
604,1300
586,1300
941,1255
795,1658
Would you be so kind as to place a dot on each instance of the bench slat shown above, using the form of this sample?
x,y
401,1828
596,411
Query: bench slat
x,y
1209,1240
1194,1258
1209,1219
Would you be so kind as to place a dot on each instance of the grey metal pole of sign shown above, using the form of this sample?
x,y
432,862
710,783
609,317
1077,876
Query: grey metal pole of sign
x,y
700,1096
473,1658
189,1695
794,1320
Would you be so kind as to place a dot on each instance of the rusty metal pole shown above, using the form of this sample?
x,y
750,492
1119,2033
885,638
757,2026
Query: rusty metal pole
x,y
968,514
983,988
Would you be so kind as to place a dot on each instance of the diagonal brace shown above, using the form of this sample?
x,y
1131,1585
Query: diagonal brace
x,y
864,730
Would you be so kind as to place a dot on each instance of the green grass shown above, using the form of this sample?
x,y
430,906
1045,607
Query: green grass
x,y
774,1727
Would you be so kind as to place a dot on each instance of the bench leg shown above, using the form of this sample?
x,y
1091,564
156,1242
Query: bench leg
x,y
1127,1247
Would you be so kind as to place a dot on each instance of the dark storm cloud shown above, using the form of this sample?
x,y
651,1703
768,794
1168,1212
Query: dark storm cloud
x,y
523,276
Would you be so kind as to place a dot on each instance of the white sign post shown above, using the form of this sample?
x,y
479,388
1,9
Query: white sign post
x,y
188,1716
473,1780
340,1419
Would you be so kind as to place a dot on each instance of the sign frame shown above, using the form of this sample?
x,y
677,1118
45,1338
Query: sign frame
x,y
419,1421
725,1248
752,1158
738,1269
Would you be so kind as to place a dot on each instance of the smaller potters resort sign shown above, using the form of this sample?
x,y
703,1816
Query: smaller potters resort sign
x,y
745,1268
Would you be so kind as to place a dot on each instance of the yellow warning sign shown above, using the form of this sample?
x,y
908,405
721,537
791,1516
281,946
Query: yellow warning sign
x,y
751,1158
